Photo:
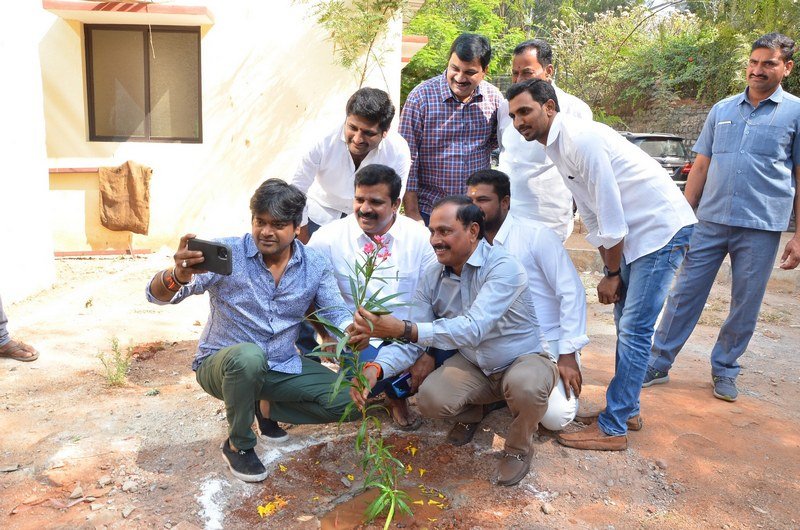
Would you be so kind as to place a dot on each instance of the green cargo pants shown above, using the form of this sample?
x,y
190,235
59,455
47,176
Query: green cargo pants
x,y
239,376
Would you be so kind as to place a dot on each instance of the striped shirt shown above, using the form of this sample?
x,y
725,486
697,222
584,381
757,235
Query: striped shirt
x,y
449,140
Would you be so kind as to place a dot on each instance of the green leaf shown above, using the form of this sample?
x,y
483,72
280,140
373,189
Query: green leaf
x,y
401,503
337,385
341,345
316,316
377,506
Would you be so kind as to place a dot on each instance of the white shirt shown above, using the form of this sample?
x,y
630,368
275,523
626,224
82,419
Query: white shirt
x,y
410,253
325,173
558,294
620,190
537,190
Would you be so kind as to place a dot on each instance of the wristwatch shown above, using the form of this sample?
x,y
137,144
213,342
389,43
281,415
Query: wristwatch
x,y
406,331
610,274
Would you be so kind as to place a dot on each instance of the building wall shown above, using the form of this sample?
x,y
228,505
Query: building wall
x,y
270,87
26,243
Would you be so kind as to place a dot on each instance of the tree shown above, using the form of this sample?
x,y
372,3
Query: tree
x,y
355,29
443,20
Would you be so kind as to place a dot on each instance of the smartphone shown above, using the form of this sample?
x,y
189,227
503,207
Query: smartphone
x,y
216,256
402,385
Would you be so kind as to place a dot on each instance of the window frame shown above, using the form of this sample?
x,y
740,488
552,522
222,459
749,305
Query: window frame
x,y
145,29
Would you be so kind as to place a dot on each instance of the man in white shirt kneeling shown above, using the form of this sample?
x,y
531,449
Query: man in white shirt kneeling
x,y
377,198
557,292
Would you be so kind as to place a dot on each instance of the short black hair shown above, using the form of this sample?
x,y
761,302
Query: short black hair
x,y
471,46
776,41
544,53
379,174
279,199
467,212
539,90
497,179
372,104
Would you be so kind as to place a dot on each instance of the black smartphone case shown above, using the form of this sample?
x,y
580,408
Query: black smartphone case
x,y
217,256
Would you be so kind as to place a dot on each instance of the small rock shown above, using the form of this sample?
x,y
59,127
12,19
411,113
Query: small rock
x,y
661,464
760,510
129,486
609,483
304,518
126,511
95,506
548,509
77,493
346,482
104,481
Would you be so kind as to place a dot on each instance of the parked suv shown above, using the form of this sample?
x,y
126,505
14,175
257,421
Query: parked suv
x,y
668,150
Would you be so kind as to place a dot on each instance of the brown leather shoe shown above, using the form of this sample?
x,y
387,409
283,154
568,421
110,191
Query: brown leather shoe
x,y
634,424
462,433
594,439
513,468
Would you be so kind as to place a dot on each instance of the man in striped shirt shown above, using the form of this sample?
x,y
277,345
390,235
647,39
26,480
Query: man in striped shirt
x,y
450,124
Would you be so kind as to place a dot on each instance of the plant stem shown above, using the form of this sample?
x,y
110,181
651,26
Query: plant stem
x,y
390,515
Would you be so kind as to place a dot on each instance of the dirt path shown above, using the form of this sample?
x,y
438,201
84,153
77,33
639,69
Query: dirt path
x,y
146,455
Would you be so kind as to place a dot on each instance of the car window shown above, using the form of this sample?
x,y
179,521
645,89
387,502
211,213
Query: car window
x,y
663,147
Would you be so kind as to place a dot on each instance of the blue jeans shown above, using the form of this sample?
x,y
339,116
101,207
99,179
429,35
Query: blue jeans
x,y
645,283
752,257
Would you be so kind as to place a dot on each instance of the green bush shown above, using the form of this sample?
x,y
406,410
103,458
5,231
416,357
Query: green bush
x,y
117,364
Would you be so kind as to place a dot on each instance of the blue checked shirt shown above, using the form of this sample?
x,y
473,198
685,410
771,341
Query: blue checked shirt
x,y
753,153
449,140
247,306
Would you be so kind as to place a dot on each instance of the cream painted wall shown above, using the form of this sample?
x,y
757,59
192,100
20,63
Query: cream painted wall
x,y
270,88
26,246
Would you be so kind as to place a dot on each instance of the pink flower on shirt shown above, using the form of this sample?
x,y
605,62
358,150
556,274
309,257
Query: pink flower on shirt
x,y
369,248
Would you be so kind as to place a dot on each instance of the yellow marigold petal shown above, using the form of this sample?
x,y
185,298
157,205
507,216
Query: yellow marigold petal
x,y
350,477
420,502
282,468
422,471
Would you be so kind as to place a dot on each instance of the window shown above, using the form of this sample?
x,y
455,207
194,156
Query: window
x,y
143,83
664,148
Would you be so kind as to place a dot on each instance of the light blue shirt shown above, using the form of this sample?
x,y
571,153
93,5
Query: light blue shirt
x,y
753,152
247,306
486,314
